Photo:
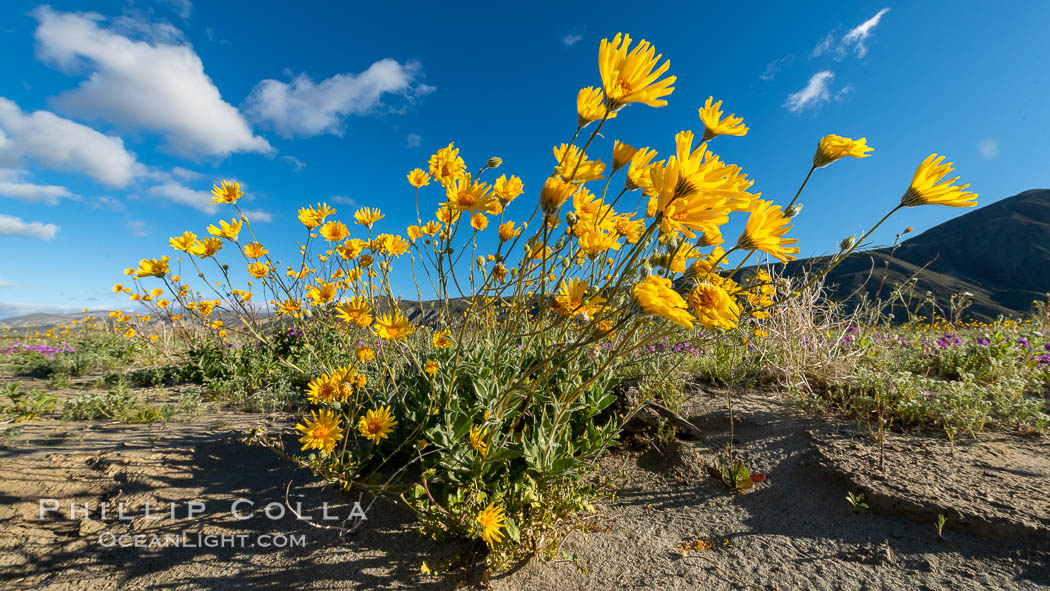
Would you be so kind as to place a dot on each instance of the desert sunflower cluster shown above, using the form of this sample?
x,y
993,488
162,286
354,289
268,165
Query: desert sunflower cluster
x,y
498,388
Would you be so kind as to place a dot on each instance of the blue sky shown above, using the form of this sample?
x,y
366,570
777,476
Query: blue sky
x,y
117,117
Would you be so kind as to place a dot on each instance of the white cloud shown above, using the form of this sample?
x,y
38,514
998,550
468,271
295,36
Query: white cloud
x,y
108,203
775,66
297,164
138,228
4,284
858,36
825,45
303,108
183,8
814,94
50,141
49,194
344,200
12,185
12,226
155,85
186,174
199,200
574,36
413,140
988,148
257,216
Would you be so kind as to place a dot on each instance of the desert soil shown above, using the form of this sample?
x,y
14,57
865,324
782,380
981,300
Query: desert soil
x,y
796,530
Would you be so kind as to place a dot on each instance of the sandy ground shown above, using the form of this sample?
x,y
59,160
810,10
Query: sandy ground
x,y
794,531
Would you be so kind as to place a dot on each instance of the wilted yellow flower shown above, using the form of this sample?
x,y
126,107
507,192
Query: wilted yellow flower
x,y
152,267
464,195
629,77
713,307
478,438
590,106
507,189
418,178
376,425
832,147
492,519
765,230
446,164
926,189
393,327
368,216
499,272
655,296
226,193
206,248
572,160
183,242
711,115
321,431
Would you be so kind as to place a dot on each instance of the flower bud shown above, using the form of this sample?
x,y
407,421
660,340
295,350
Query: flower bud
x,y
572,218
848,243
793,210
494,162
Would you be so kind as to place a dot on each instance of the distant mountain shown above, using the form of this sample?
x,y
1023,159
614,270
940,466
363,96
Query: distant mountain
x,y
1000,253
46,320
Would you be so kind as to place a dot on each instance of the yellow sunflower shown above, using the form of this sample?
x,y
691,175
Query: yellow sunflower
x,y
376,425
321,431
